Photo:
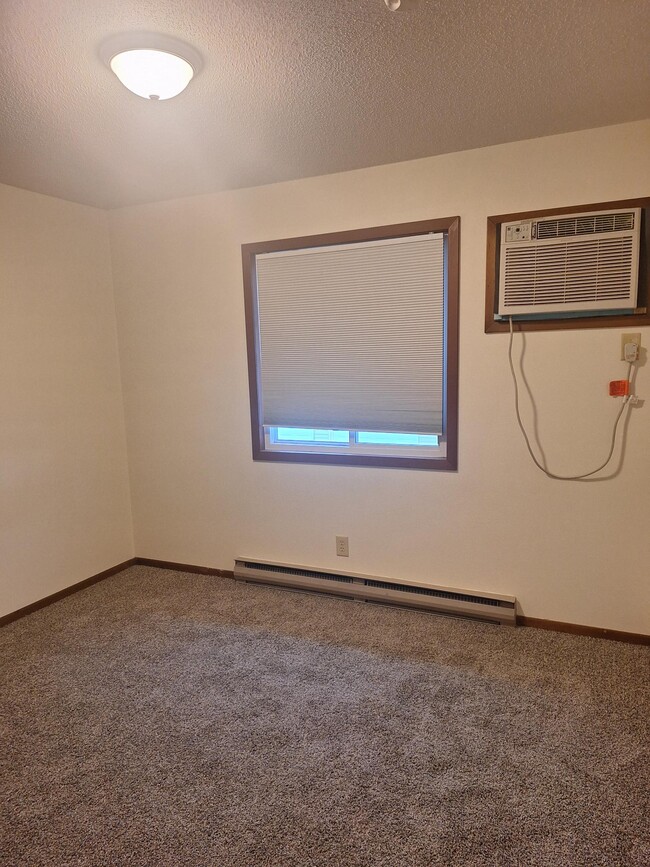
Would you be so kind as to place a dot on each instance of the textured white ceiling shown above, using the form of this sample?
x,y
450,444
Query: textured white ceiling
x,y
293,88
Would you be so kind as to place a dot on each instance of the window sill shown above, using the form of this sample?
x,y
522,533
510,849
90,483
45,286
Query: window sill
x,y
447,463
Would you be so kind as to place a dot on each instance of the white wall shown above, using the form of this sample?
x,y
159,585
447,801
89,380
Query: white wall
x,y
64,497
576,552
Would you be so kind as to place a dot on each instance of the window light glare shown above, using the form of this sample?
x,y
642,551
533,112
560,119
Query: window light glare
x,y
151,73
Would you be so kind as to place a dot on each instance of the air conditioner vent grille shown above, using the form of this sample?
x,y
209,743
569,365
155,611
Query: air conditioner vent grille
x,y
584,225
592,271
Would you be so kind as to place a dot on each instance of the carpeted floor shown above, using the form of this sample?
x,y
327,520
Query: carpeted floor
x,y
161,718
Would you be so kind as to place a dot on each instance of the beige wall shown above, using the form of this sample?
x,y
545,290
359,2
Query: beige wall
x,y
576,552
64,509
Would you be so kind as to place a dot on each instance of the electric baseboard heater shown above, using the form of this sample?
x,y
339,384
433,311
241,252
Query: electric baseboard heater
x,y
487,607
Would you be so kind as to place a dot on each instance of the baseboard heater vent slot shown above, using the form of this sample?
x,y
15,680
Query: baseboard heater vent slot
x,y
295,570
441,594
489,607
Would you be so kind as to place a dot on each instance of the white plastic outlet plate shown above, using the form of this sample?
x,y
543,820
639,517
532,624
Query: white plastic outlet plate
x,y
629,338
342,546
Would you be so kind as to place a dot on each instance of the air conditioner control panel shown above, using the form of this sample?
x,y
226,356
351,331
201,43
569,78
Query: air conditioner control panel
x,y
519,231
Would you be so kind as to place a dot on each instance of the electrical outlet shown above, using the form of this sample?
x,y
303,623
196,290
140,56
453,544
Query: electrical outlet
x,y
629,338
342,546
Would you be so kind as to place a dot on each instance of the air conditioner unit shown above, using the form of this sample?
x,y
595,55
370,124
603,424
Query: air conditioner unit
x,y
575,264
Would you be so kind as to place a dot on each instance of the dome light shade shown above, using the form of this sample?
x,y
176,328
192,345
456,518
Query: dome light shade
x,y
153,67
152,74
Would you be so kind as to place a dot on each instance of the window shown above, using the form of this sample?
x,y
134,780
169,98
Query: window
x,y
346,442
352,346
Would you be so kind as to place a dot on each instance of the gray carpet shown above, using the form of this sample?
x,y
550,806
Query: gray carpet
x,y
161,718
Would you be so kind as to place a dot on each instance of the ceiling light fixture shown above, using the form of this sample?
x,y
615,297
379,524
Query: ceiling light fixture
x,y
150,65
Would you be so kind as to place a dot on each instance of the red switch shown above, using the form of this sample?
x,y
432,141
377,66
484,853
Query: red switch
x,y
619,388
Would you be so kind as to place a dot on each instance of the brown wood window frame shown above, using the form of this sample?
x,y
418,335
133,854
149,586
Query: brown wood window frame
x,y
639,318
450,227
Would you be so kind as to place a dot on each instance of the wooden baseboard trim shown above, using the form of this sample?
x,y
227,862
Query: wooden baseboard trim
x,y
536,623
184,567
522,620
576,629
67,591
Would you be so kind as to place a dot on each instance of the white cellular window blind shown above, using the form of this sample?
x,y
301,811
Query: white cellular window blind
x,y
352,335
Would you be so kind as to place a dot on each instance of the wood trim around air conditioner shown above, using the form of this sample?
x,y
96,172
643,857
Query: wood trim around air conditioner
x,y
634,320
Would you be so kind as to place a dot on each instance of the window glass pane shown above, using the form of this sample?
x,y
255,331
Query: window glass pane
x,y
394,439
311,435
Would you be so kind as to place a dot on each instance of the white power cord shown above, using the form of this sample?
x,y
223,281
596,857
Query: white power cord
x,y
525,435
